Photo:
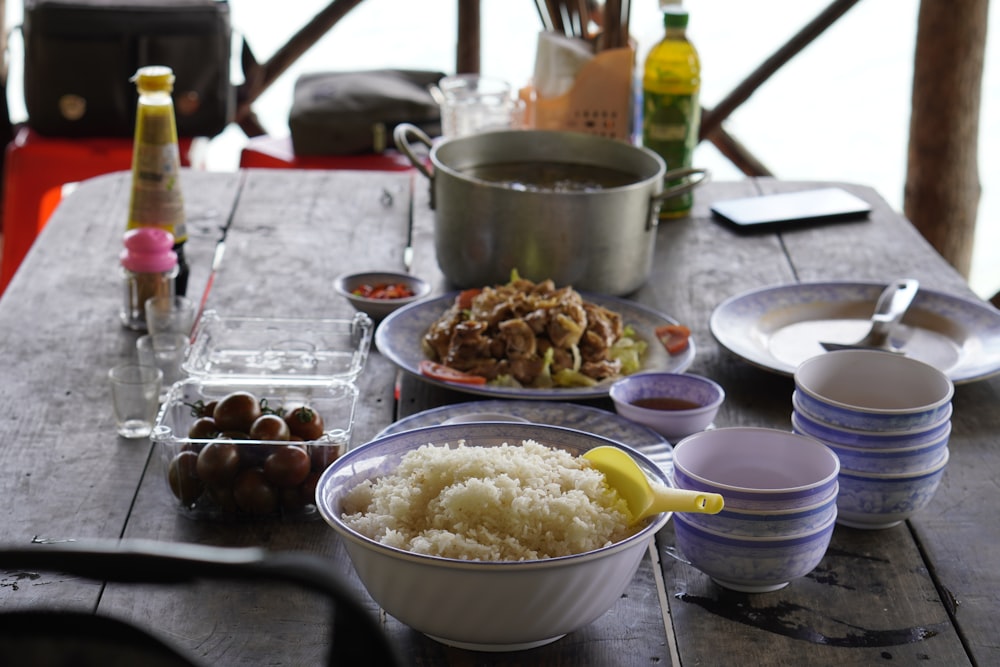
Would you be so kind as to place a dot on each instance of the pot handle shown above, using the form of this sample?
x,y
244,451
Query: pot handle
x,y
681,188
400,135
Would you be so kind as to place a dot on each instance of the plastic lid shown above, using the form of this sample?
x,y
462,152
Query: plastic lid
x,y
148,250
154,77
675,17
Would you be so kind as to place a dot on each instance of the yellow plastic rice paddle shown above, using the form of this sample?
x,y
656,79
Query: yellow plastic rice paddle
x,y
643,498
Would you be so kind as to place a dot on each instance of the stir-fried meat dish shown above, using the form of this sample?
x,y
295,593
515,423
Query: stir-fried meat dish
x,y
532,335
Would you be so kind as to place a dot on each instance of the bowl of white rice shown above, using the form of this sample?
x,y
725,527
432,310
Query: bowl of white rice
x,y
491,536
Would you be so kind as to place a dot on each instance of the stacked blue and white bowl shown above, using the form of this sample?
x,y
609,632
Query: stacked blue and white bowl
x,y
780,493
887,417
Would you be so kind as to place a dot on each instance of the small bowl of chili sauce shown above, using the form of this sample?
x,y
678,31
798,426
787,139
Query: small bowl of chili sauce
x,y
675,405
378,293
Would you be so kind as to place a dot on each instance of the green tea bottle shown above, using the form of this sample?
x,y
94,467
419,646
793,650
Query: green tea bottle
x,y
670,108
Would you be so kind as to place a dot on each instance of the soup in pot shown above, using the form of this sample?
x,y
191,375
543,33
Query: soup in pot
x,y
551,176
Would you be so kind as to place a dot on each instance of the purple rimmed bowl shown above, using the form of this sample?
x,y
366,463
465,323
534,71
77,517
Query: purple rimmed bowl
x,y
756,468
884,461
821,430
872,501
752,564
870,390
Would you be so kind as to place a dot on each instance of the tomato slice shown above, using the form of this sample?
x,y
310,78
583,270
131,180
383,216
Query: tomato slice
x,y
465,297
675,337
433,369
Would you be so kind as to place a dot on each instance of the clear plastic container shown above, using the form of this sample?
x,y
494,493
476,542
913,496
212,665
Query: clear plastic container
x,y
289,350
244,479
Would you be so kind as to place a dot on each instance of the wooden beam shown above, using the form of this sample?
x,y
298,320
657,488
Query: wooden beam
x,y
742,92
942,190
467,58
260,76
737,153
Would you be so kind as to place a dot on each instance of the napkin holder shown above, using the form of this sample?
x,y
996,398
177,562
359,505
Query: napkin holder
x,y
599,101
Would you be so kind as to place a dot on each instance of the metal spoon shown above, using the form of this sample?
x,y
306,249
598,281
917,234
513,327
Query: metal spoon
x,y
643,498
889,310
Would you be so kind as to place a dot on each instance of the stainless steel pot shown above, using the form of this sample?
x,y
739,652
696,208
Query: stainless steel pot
x,y
597,240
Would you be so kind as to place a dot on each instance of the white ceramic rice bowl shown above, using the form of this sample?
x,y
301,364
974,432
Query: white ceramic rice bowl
x,y
485,606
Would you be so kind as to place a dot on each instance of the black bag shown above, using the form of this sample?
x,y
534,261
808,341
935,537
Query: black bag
x,y
346,113
79,57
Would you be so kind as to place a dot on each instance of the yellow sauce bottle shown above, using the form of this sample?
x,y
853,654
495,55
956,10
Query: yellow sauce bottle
x,y
670,109
156,199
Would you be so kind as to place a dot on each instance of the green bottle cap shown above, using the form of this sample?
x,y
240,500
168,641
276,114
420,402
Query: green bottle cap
x,y
675,17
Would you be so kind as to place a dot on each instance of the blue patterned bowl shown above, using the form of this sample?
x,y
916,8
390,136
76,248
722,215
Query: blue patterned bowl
x,y
751,565
769,523
869,390
839,435
897,460
756,469
872,501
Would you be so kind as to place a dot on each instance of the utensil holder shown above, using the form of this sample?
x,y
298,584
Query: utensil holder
x,y
599,102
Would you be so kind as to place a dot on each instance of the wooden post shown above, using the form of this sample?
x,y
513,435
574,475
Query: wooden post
x,y
467,51
6,129
942,191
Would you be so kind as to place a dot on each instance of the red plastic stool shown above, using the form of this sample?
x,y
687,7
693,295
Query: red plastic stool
x,y
277,153
36,168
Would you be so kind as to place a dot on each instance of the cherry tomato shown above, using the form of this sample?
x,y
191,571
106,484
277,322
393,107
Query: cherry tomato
x,y
433,369
237,411
675,337
218,462
323,455
253,493
296,498
183,477
304,423
202,409
203,428
287,466
222,495
269,427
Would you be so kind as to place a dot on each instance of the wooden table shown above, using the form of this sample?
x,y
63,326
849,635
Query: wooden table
x,y
925,592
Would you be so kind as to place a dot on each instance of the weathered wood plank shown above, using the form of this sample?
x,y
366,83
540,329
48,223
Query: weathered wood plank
x,y
281,257
68,474
871,598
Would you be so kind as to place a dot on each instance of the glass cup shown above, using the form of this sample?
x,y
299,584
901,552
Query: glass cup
x,y
135,394
167,352
170,314
471,103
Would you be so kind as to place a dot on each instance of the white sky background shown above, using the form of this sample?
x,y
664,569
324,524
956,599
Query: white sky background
x,y
837,111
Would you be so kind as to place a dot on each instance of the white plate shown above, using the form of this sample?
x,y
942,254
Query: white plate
x,y
399,338
777,328
569,415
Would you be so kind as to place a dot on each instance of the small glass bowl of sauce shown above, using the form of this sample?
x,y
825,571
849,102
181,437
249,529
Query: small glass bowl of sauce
x,y
675,405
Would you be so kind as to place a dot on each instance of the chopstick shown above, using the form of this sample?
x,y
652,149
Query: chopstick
x,y
555,15
626,10
612,24
544,16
